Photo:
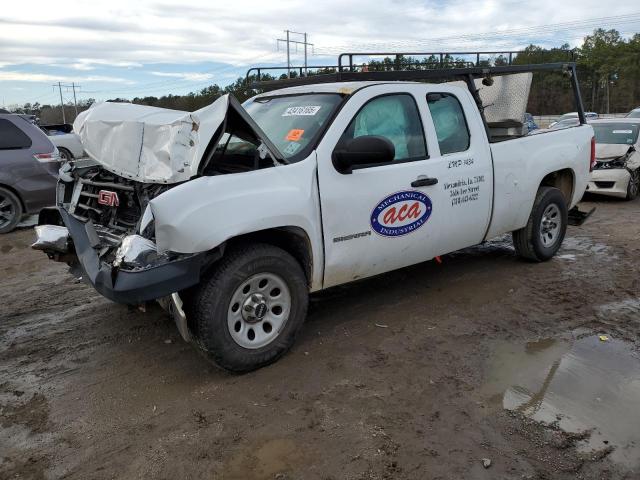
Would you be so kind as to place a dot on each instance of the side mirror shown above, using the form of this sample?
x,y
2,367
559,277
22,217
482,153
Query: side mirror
x,y
363,151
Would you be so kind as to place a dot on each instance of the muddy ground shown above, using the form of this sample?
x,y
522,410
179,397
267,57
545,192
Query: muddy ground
x,y
388,380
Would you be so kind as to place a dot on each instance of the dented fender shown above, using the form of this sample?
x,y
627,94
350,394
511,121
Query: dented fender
x,y
202,214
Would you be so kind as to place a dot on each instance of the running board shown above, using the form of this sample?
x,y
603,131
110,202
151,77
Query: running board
x,y
577,218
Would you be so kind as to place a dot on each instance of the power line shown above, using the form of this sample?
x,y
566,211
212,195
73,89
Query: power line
x,y
288,41
631,18
75,103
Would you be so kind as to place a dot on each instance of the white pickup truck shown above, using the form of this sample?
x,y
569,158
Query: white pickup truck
x,y
233,214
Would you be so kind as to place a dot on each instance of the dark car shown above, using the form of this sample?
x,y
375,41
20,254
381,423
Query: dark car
x,y
29,165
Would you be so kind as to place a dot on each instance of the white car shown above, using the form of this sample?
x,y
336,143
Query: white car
x,y
635,113
234,213
574,116
63,137
616,172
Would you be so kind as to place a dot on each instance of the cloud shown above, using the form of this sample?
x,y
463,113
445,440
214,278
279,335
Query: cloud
x,y
244,31
13,76
190,76
121,40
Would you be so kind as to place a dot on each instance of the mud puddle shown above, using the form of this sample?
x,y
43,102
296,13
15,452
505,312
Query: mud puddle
x,y
581,246
582,384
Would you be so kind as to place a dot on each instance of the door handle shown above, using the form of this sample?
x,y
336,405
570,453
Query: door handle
x,y
424,182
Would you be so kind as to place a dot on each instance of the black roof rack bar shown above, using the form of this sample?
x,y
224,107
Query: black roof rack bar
x,y
440,55
258,71
414,75
509,54
309,70
444,60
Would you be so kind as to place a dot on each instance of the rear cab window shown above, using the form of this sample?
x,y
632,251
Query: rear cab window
x,y
449,122
394,117
12,137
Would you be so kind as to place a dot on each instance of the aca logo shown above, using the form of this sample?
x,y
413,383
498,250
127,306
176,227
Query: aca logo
x,y
401,213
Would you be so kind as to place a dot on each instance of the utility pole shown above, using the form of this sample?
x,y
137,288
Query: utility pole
x,y
305,54
288,41
73,86
288,57
75,103
64,119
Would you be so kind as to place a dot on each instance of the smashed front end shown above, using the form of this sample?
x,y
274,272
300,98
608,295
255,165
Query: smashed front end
x,y
616,166
103,224
97,229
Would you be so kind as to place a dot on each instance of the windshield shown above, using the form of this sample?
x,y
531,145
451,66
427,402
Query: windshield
x,y
616,133
634,114
292,122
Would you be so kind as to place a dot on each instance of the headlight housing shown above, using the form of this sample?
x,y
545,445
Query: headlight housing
x,y
136,252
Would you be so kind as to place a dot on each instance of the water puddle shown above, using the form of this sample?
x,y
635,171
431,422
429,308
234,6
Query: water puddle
x,y
585,246
580,384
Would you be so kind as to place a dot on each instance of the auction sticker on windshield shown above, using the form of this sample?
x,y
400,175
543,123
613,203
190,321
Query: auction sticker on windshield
x,y
308,110
401,213
294,135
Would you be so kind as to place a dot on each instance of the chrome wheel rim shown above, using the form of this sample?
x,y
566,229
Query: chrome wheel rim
x,y
259,310
7,211
550,225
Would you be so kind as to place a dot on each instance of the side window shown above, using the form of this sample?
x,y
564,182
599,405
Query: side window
x,y
11,137
394,117
449,121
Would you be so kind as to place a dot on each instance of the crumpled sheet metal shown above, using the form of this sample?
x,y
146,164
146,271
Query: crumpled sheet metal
x,y
149,144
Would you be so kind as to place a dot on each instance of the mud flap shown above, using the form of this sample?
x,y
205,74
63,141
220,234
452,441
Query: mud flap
x,y
577,218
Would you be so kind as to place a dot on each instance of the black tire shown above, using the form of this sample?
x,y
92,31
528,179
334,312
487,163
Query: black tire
x,y
634,185
528,241
10,210
212,304
65,154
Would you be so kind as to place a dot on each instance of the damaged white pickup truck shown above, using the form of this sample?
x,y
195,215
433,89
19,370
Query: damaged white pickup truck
x,y
232,215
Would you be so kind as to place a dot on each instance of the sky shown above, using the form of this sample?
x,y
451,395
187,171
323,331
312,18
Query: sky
x,y
128,48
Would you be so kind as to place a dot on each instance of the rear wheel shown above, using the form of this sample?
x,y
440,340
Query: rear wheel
x,y
634,185
542,237
10,210
249,311
65,155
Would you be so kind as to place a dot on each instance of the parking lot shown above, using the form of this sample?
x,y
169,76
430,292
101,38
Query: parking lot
x,y
413,374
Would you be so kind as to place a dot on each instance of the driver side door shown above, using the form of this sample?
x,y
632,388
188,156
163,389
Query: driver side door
x,y
378,217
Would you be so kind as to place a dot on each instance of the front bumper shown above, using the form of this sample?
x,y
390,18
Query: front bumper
x,y
124,286
610,181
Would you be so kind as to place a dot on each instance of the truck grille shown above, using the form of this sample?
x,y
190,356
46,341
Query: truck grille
x,y
108,201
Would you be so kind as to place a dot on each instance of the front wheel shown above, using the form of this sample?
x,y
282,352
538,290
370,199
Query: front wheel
x,y
633,188
542,237
248,312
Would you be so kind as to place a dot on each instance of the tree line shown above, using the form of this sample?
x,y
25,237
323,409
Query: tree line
x,y
608,71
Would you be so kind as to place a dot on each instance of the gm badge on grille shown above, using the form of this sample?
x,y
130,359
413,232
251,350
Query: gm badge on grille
x,y
105,197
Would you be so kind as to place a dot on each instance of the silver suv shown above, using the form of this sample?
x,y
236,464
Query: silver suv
x,y
29,165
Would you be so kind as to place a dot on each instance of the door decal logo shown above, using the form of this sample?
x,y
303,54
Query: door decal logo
x,y
401,213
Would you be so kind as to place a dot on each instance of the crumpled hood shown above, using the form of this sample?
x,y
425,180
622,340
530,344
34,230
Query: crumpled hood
x,y
610,151
149,144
